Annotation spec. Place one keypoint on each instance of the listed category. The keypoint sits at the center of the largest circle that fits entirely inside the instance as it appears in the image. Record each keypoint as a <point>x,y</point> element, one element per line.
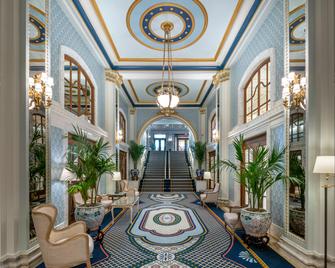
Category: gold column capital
<point>132,111</point>
<point>113,76</point>
<point>202,110</point>
<point>220,77</point>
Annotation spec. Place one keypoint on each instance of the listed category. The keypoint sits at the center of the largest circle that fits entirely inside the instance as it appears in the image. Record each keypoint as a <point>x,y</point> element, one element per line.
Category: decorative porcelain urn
<point>92,216</point>
<point>255,223</point>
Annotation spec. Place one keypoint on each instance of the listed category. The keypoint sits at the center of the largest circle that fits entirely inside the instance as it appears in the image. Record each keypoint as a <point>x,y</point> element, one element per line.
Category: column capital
<point>132,111</point>
<point>220,77</point>
<point>203,110</point>
<point>114,77</point>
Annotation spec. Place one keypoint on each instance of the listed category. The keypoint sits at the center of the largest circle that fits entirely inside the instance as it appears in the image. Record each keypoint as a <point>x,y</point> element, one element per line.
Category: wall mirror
<point>296,121</point>
<point>37,19</point>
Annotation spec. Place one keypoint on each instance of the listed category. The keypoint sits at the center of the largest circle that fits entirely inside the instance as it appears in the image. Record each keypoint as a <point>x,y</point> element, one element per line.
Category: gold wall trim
<point>121,59</point>
<point>297,9</point>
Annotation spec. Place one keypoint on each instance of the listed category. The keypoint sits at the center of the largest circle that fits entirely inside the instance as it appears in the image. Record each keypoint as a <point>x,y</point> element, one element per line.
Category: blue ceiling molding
<point>244,26</point>
<point>128,95</point>
<point>297,68</point>
<point>92,31</point>
<point>37,68</point>
<point>206,95</point>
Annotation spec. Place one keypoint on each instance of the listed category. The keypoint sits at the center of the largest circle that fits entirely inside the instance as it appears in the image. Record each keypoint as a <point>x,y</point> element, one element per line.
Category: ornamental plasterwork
<point>114,77</point>
<point>220,77</point>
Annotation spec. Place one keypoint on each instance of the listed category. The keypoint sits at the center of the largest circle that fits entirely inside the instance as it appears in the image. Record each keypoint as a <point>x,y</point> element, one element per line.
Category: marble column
<point>221,83</point>
<point>202,133</point>
<point>113,81</point>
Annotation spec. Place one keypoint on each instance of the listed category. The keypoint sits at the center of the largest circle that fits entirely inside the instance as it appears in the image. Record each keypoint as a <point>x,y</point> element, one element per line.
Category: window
<point>297,125</point>
<point>122,127</point>
<point>212,128</point>
<point>78,90</point>
<point>256,92</point>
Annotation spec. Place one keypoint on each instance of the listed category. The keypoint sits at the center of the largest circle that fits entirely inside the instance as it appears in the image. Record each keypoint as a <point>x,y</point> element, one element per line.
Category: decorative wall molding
<point>221,76</point>
<point>113,76</point>
<point>64,119</point>
<point>273,117</point>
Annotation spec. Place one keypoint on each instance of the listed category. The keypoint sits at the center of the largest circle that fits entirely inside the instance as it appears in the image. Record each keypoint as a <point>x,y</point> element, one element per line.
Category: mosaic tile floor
<point>173,230</point>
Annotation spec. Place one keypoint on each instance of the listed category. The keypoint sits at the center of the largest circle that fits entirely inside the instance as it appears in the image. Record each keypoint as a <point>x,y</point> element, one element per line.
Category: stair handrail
<point>143,163</point>
<point>190,159</point>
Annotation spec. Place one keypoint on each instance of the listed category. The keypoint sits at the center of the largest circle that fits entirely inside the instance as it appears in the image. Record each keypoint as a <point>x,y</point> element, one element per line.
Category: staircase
<point>180,179</point>
<point>157,169</point>
<point>154,175</point>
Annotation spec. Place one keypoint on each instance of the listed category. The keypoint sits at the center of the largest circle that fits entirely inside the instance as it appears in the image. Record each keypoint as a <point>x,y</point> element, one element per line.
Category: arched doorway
<point>162,133</point>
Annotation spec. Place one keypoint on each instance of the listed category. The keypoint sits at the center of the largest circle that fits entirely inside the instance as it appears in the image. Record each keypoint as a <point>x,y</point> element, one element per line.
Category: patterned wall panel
<point>269,35</point>
<point>62,32</point>
<point>58,188</point>
<point>278,189</point>
<point>231,156</point>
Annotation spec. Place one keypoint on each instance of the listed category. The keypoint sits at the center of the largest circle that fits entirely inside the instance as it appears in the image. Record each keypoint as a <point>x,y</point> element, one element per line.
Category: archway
<point>180,129</point>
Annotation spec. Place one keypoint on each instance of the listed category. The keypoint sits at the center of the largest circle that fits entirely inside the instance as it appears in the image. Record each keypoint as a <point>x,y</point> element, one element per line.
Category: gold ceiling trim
<point>140,101</point>
<point>120,59</point>
<point>37,9</point>
<point>296,9</point>
<point>130,10</point>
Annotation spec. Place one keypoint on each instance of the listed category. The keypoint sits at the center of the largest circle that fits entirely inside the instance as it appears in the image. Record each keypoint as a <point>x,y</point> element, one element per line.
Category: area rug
<point>173,230</point>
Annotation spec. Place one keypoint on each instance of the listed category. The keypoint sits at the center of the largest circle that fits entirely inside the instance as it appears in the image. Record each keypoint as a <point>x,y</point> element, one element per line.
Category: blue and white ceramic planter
<point>256,223</point>
<point>92,216</point>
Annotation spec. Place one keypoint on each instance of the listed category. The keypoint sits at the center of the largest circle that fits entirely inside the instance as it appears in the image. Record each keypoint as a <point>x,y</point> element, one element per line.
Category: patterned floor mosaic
<point>173,230</point>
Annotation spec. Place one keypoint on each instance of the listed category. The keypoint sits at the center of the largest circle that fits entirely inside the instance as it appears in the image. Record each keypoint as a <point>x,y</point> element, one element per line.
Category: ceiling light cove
<point>144,22</point>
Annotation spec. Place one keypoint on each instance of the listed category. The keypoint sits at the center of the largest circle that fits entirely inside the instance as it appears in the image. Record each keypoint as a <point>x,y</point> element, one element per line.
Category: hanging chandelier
<point>294,91</point>
<point>167,98</point>
<point>40,91</point>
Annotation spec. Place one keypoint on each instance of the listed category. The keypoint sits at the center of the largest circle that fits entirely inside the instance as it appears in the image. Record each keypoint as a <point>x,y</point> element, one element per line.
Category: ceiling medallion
<point>167,98</point>
<point>154,88</point>
<point>144,22</point>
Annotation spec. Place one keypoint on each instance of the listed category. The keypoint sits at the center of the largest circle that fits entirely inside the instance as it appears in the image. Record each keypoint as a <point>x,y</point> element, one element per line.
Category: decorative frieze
<point>114,77</point>
<point>220,77</point>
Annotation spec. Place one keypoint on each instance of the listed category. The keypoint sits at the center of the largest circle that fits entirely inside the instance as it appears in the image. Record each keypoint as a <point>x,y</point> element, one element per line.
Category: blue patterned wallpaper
<point>231,184</point>
<point>58,188</point>
<point>278,189</point>
<point>270,35</point>
<point>62,32</point>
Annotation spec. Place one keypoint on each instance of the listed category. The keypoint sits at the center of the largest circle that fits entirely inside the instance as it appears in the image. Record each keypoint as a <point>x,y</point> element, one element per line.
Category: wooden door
<point>211,163</point>
<point>123,164</point>
<point>248,147</point>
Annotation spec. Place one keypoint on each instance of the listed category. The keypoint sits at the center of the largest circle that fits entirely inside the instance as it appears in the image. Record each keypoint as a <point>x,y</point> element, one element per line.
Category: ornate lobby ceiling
<point>130,37</point>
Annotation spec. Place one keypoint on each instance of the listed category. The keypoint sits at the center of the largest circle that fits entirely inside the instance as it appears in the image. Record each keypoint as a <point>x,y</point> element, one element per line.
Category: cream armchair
<point>211,196</point>
<point>67,247</point>
<point>129,190</point>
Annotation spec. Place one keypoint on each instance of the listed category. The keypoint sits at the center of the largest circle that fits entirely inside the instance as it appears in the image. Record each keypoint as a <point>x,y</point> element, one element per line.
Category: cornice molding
<point>220,77</point>
<point>114,77</point>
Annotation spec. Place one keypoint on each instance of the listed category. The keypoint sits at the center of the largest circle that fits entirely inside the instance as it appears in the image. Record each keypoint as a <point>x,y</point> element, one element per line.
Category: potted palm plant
<point>297,178</point>
<point>199,150</point>
<point>257,176</point>
<point>136,151</point>
<point>88,161</point>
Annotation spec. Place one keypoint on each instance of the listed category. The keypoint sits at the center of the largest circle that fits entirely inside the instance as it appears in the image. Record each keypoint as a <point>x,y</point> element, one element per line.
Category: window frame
<point>88,82</point>
<point>257,73</point>
<point>212,127</point>
<point>124,127</point>
<point>300,134</point>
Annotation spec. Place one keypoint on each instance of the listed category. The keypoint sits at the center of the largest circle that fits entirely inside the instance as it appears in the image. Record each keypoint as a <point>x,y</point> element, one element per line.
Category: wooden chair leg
<point>88,264</point>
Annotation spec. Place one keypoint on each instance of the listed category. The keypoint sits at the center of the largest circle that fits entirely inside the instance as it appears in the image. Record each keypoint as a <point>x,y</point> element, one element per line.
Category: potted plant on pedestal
<point>199,150</point>
<point>88,161</point>
<point>257,176</point>
<point>136,151</point>
<point>297,214</point>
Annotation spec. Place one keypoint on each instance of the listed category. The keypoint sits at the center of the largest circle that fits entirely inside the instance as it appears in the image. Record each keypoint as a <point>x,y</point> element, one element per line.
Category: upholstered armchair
<point>211,196</point>
<point>129,190</point>
<point>67,247</point>
<point>103,199</point>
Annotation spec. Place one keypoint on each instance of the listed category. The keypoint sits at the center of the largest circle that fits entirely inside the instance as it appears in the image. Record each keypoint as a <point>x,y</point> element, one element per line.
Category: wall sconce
<point>215,136</point>
<point>40,91</point>
<point>294,91</point>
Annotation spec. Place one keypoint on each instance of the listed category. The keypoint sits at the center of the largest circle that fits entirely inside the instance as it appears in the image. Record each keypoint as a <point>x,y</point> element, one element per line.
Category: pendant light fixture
<point>167,98</point>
